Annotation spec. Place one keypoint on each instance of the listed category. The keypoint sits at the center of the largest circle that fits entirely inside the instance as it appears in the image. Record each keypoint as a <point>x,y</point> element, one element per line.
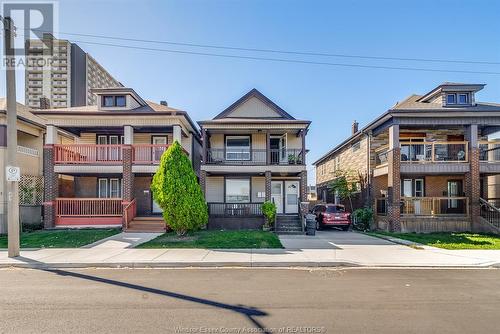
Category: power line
<point>291,52</point>
<point>296,61</point>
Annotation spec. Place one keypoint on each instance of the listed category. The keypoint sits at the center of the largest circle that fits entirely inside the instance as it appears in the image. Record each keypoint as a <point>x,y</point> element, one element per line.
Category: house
<point>102,175</point>
<point>431,162</point>
<point>30,132</point>
<point>253,151</point>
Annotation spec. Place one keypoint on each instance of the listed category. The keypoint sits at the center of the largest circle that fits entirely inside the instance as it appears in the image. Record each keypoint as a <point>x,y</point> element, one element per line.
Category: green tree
<point>345,185</point>
<point>176,190</point>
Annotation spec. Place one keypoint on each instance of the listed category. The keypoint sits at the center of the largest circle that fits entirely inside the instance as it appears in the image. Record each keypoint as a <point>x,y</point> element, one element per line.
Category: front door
<point>158,150</point>
<point>277,195</point>
<point>291,196</point>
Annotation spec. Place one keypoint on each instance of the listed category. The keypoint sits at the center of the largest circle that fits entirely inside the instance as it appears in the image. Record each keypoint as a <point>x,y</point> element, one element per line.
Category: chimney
<point>164,103</point>
<point>355,127</point>
<point>44,103</point>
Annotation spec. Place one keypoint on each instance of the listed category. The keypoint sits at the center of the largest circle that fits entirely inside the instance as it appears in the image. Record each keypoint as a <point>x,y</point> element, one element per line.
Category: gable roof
<point>254,93</point>
<point>24,113</point>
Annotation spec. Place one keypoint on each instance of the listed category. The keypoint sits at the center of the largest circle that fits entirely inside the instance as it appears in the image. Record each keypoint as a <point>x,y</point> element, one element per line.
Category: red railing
<point>89,207</point>
<point>148,153</point>
<point>88,154</point>
<point>129,213</point>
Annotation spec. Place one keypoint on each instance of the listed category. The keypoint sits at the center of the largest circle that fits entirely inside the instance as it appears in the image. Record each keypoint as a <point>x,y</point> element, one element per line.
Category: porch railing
<point>89,207</point>
<point>422,152</point>
<point>27,151</point>
<point>129,213</point>
<point>88,154</point>
<point>490,212</point>
<point>489,151</point>
<point>234,209</point>
<point>434,206</point>
<point>381,155</point>
<point>148,153</point>
<point>220,156</point>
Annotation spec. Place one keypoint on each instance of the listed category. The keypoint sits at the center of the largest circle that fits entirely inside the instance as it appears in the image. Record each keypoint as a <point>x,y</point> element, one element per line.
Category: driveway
<point>331,239</point>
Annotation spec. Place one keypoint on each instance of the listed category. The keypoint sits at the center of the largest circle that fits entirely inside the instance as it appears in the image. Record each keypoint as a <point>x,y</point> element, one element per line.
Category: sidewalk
<point>324,250</point>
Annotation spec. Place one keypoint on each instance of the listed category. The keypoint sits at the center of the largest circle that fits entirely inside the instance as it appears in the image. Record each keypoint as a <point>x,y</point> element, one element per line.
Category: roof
<point>23,112</point>
<point>119,90</point>
<point>254,93</point>
<point>451,86</point>
<point>415,103</point>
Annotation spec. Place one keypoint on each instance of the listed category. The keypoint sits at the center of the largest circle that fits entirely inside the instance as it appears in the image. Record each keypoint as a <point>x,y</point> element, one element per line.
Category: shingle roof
<point>23,112</point>
<point>411,103</point>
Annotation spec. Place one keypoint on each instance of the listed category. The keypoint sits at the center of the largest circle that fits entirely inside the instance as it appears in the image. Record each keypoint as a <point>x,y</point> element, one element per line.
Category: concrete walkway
<point>123,240</point>
<point>325,249</point>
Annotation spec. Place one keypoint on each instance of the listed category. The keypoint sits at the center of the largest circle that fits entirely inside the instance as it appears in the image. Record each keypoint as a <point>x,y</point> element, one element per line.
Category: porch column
<point>303,153</point>
<point>268,185</point>
<point>177,133</point>
<point>303,186</point>
<point>203,182</point>
<point>472,180</point>
<point>394,180</point>
<point>128,155</point>
<point>204,147</point>
<point>50,178</point>
<point>268,148</point>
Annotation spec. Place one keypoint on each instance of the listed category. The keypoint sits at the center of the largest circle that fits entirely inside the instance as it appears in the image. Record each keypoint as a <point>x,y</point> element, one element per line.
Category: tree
<point>345,185</point>
<point>176,190</point>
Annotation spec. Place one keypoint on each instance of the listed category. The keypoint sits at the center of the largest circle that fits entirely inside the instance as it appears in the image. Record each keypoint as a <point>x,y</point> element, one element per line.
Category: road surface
<point>250,301</point>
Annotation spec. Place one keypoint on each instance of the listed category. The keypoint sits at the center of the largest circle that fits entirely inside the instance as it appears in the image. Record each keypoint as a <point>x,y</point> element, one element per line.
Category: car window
<point>335,209</point>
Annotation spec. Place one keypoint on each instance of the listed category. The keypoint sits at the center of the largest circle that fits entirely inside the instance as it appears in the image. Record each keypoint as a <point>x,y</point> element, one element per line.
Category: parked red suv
<point>331,215</point>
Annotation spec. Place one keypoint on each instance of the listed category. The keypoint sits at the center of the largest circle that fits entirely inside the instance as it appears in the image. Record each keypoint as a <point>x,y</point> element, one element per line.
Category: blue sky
<point>331,97</point>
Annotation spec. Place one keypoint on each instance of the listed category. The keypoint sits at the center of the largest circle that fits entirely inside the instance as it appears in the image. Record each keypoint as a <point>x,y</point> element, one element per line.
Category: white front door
<point>277,195</point>
<point>292,196</point>
<point>283,151</point>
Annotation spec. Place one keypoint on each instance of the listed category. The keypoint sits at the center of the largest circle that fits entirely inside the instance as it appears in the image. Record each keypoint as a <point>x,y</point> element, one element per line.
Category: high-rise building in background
<point>60,74</point>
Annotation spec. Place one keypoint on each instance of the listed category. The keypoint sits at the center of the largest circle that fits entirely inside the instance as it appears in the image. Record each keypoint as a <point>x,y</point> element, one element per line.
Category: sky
<point>330,96</point>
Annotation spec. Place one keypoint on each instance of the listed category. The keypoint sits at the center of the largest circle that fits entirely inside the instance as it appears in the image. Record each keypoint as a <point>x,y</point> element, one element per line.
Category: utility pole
<point>12,185</point>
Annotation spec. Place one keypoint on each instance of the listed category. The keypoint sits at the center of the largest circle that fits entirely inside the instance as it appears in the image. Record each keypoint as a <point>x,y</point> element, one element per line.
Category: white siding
<point>254,108</point>
<point>215,189</point>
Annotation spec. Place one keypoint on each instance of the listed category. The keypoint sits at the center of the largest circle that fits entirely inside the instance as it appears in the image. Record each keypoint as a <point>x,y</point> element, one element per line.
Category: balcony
<point>256,157</point>
<point>88,154</point>
<point>426,206</point>
<point>428,152</point>
<point>148,154</point>
<point>89,211</point>
<point>234,209</point>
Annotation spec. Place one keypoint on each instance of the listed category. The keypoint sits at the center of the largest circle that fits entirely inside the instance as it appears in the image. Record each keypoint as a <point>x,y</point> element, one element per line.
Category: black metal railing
<point>490,212</point>
<point>229,156</point>
<point>235,209</point>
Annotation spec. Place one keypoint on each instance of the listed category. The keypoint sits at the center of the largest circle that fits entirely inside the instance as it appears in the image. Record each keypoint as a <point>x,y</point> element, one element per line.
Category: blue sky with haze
<point>331,97</point>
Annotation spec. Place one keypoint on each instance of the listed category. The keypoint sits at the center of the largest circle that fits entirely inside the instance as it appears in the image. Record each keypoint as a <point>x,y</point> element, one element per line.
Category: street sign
<point>13,174</point>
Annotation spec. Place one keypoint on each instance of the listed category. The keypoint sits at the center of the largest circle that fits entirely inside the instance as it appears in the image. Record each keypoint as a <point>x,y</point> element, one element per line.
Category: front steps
<point>147,224</point>
<point>288,224</point>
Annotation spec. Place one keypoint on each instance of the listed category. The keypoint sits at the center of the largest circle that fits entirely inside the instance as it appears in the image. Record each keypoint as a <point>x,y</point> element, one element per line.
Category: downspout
<point>368,168</point>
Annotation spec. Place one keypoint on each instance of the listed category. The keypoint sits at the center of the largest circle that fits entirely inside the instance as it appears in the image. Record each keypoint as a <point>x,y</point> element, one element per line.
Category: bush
<point>25,227</point>
<point>362,218</point>
<point>176,190</point>
<point>269,211</point>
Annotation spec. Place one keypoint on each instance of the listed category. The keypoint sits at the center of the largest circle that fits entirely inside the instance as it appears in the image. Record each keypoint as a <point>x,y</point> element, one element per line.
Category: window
<point>114,101</point>
<point>463,98</point>
<point>238,148</point>
<point>451,99</point>
<point>237,191</point>
<point>109,188</point>
<point>355,146</point>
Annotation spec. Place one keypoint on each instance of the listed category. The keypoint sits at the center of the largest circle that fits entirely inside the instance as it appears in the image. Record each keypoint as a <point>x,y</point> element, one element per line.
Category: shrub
<point>176,190</point>
<point>362,218</point>
<point>269,211</point>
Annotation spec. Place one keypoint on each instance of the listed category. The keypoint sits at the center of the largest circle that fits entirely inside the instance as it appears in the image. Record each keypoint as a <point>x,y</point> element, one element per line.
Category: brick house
<point>431,162</point>
<point>99,160</point>
<point>253,151</point>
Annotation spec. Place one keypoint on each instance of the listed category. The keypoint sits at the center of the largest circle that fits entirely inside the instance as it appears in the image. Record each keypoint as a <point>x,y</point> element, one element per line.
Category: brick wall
<point>51,186</point>
<point>437,186</point>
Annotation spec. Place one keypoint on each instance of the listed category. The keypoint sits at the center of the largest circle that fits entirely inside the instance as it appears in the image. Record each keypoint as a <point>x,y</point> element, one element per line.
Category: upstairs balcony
<point>255,157</point>
<point>91,154</point>
<point>429,152</point>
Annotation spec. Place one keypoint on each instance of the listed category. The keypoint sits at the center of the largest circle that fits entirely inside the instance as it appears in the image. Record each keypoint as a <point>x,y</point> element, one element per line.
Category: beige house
<point>30,132</point>
<point>431,162</point>
<point>101,175</point>
<point>252,152</point>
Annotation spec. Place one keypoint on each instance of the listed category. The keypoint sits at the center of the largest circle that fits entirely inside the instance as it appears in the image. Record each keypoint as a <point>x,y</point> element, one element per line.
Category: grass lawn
<point>61,238</point>
<point>216,239</point>
<point>449,240</point>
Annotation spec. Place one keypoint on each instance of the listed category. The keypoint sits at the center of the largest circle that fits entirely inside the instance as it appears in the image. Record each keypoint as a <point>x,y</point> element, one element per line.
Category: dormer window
<point>451,98</point>
<point>463,98</point>
<point>457,98</point>
<point>114,101</point>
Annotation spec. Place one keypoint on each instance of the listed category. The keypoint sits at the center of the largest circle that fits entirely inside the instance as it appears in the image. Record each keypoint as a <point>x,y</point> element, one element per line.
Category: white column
<point>51,135</point>
<point>177,133</point>
<point>128,134</point>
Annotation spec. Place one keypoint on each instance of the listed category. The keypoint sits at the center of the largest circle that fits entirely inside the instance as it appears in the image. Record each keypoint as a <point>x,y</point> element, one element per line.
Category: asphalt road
<point>250,301</point>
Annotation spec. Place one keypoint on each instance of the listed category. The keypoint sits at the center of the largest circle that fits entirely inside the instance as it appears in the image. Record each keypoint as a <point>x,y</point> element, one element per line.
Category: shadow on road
<point>249,312</point>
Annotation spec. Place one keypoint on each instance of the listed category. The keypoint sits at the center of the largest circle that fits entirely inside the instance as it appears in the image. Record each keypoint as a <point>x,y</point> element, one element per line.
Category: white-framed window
<point>463,98</point>
<point>451,98</point>
<point>114,101</point>
<point>237,190</point>
<point>237,147</point>
<point>109,188</point>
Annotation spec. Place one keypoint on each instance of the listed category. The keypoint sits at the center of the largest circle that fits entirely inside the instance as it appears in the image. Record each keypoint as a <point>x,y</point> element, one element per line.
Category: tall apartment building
<point>63,73</point>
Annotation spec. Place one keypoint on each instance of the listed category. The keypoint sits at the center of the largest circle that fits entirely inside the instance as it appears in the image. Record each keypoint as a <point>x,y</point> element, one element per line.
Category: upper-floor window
<point>355,146</point>
<point>238,148</point>
<point>114,101</point>
<point>458,98</point>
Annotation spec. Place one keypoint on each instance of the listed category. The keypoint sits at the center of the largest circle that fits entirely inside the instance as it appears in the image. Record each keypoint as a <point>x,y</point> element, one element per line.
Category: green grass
<point>216,239</point>
<point>449,240</point>
<point>61,238</point>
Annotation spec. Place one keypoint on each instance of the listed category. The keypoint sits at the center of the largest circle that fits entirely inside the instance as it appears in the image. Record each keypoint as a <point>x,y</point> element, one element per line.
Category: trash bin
<point>310,224</point>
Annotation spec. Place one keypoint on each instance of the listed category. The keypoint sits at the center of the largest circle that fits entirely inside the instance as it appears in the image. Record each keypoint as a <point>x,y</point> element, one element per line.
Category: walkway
<point>123,240</point>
